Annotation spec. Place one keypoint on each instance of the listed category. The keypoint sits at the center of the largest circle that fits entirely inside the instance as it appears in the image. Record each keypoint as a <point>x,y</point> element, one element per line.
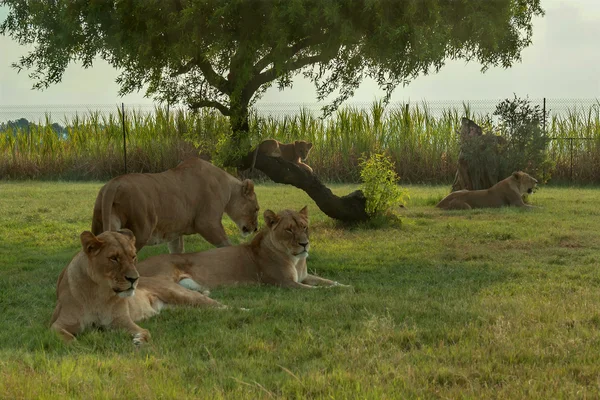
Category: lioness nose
<point>130,279</point>
<point>303,244</point>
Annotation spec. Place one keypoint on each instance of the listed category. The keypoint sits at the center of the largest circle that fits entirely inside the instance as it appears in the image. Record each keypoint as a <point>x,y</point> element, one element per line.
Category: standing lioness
<point>507,192</point>
<point>276,255</point>
<point>101,287</point>
<point>190,198</point>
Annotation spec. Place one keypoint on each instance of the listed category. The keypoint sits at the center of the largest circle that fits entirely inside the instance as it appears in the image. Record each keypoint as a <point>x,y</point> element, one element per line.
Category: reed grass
<point>423,145</point>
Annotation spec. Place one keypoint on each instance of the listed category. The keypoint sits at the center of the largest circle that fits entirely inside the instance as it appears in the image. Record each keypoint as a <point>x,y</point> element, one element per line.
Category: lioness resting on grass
<point>190,198</point>
<point>276,255</point>
<point>507,192</point>
<point>101,287</point>
<point>293,152</point>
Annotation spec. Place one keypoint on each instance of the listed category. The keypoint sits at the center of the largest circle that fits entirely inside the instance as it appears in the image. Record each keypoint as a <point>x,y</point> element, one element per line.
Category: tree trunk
<point>346,208</point>
<point>473,175</point>
<point>240,128</point>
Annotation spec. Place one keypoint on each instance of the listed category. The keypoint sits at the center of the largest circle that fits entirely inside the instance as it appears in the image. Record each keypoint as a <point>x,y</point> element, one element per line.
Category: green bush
<point>521,124</point>
<point>380,184</point>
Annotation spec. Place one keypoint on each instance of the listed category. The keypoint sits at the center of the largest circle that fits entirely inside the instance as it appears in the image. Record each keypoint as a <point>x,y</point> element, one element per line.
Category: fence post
<point>124,136</point>
<point>546,141</point>
<point>571,139</point>
<point>544,116</point>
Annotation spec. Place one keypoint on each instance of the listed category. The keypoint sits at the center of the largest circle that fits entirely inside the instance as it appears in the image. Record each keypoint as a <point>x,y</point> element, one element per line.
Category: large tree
<point>225,53</point>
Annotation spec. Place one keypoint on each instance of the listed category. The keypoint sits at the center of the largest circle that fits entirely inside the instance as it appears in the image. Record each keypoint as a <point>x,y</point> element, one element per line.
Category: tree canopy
<point>225,54</point>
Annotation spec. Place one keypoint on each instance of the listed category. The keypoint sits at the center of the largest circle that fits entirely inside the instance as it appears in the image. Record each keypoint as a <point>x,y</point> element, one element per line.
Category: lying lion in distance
<point>101,287</point>
<point>276,255</point>
<point>293,152</point>
<point>507,192</point>
<point>190,198</point>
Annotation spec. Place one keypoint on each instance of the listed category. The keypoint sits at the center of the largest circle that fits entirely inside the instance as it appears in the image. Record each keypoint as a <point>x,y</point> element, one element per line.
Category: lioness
<point>189,198</point>
<point>276,255</point>
<point>507,192</point>
<point>100,286</point>
<point>293,152</point>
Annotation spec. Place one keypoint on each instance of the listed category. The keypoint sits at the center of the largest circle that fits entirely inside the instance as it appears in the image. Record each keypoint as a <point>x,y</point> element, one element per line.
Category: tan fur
<point>276,255</point>
<point>101,287</point>
<point>507,192</point>
<point>293,152</point>
<point>190,198</point>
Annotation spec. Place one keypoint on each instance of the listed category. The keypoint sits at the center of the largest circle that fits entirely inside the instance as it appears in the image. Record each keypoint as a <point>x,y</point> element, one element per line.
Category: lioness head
<point>243,208</point>
<point>111,260</point>
<point>289,231</point>
<point>525,182</point>
<point>302,149</point>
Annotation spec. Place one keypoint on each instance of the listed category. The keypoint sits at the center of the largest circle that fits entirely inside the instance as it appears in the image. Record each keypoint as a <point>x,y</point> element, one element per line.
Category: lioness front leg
<point>458,205</point>
<point>318,281</point>
<point>140,335</point>
<point>305,166</point>
<point>214,233</point>
<point>180,294</point>
<point>66,327</point>
<point>295,285</point>
<point>66,333</point>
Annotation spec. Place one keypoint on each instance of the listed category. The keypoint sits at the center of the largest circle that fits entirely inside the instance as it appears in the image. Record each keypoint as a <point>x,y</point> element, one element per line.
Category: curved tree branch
<point>207,103</point>
<point>290,66</point>
<point>346,208</point>
<point>214,79</point>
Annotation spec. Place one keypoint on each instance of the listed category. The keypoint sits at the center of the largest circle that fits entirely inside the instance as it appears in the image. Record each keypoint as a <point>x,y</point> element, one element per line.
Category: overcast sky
<point>562,62</point>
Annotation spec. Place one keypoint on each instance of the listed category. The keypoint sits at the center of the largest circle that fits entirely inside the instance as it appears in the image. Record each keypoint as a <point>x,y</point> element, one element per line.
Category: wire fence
<point>435,108</point>
<point>97,141</point>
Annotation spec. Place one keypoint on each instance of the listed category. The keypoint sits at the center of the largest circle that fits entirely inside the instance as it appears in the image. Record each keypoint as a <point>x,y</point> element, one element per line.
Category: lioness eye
<point>114,259</point>
<point>288,231</point>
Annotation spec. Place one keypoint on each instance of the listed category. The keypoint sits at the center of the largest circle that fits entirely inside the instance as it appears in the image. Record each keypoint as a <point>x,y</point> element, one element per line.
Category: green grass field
<point>481,304</point>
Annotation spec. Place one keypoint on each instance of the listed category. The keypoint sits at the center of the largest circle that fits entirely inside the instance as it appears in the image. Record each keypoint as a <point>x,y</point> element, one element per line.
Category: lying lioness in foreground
<point>507,192</point>
<point>276,255</point>
<point>100,287</point>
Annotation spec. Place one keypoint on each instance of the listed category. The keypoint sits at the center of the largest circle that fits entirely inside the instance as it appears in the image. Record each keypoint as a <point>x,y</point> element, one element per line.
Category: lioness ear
<point>304,211</point>
<point>247,187</point>
<point>129,234</point>
<point>517,175</point>
<point>271,219</point>
<point>89,242</point>
<point>309,145</point>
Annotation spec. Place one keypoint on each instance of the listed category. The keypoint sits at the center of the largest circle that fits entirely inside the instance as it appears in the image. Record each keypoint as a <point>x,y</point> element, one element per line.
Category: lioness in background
<point>100,287</point>
<point>293,152</point>
<point>507,192</point>
<point>276,255</point>
<point>190,198</point>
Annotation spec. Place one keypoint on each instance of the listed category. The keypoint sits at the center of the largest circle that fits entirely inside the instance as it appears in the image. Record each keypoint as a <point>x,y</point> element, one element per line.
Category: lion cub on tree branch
<point>293,152</point>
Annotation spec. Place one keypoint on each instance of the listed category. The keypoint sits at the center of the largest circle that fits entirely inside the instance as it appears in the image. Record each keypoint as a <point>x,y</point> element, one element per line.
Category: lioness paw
<point>191,284</point>
<point>141,338</point>
<point>340,284</point>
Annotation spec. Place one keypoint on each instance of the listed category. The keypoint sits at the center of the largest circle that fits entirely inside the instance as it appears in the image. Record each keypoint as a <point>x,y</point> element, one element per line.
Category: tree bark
<point>240,127</point>
<point>349,208</point>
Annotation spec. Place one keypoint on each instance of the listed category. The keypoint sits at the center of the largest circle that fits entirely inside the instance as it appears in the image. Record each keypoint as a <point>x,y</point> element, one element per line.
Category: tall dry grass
<point>575,147</point>
<point>423,145</point>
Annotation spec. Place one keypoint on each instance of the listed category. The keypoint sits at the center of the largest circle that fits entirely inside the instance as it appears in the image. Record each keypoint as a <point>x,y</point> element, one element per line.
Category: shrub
<point>521,124</point>
<point>380,184</point>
